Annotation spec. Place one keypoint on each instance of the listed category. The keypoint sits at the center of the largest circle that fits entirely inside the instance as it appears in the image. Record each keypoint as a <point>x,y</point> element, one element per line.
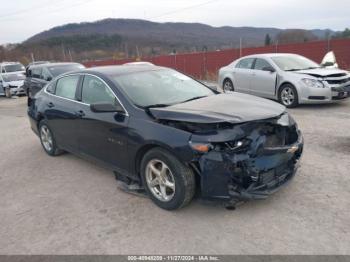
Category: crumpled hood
<point>322,72</point>
<point>232,108</point>
<point>16,83</point>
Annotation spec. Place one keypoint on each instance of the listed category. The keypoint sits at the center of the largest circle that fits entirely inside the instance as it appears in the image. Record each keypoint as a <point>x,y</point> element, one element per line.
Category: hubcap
<point>46,138</point>
<point>228,86</point>
<point>160,180</point>
<point>287,96</point>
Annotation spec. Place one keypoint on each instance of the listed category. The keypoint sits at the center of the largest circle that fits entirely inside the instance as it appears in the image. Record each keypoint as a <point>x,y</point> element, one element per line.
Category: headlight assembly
<point>312,83</point>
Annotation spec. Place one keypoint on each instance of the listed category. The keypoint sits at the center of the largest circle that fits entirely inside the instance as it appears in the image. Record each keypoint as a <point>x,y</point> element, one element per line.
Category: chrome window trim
<point>79,102</point>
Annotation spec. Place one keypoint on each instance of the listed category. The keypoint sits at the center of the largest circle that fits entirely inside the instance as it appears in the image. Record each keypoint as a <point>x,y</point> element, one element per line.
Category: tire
<point>288,96</point>
<point>178,175</point>
<point>48,141</point>
<point>7,93</point>
<point>228,86</point>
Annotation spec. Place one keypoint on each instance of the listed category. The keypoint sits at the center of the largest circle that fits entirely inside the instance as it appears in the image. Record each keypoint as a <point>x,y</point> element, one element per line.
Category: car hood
<point>15,83</point>
<point>232,108</point>
<point>323,72</point>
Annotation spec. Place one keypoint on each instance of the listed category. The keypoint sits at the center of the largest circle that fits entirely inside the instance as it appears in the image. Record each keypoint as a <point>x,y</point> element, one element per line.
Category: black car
<point>41,73</point>
<point>169,134</point>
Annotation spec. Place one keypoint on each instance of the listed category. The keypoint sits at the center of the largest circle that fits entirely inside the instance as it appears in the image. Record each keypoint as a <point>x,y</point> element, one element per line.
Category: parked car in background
<point>291,79</point>
<point>168,134</point>
<point>39,75</point>
<point>12,75</point>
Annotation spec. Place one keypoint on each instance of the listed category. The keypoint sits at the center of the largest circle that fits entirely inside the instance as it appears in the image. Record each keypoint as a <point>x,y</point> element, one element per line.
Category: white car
<point>12,75</point>
<point>291,79</point>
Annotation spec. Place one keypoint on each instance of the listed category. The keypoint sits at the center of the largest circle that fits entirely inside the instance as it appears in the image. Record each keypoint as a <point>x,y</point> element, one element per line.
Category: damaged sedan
<point>291,79</point>
<point>165,134</point>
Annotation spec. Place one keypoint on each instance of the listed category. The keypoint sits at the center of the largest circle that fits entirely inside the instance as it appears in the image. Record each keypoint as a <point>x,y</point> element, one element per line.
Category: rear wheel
<point>228,86</point>
<point>169,183</point>
<point>47,140</point>
<point>288,96</point>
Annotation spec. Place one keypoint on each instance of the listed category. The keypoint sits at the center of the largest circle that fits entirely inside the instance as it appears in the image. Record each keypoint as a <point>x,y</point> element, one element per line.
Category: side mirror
<point>269,69</point>
<point>49,79</point>
<point>106,108</point>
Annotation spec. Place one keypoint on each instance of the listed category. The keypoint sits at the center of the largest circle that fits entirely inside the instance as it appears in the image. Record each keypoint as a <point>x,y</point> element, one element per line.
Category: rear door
<point>102,136</point>
<point>263,81</point>
<point>36,82</point>
<point>61,111</point>
<point>242,75</point>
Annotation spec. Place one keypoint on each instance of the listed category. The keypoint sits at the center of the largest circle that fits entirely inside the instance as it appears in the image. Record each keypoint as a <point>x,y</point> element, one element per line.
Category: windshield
<point>161,88</point>
<point>61,69</point>
<point>294,63</point>
<point>13,77</point>
<point>14,68</point>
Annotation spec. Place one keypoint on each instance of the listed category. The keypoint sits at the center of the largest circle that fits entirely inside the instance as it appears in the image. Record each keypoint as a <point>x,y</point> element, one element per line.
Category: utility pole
<point>240,47</point>
<point>32,56</point>
<point>70,55</point>
<point>64,53</point>
<point>276,46</point>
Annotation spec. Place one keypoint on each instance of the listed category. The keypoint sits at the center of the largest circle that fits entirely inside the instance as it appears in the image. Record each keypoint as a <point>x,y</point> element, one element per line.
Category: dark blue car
<point>165,133</point>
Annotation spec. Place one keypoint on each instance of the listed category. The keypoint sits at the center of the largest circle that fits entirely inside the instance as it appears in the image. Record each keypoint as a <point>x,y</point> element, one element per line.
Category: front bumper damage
<point>267,162</point>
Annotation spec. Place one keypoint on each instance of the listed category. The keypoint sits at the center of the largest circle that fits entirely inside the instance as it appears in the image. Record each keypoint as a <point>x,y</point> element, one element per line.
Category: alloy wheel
<point>46,138</point>
<point>228,86</point>
<point>160,180</point>
<point>287,96</point>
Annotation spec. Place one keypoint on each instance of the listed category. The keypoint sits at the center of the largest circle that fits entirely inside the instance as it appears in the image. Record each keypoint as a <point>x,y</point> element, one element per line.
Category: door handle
<point>50,105</point>
<point>80,113</point>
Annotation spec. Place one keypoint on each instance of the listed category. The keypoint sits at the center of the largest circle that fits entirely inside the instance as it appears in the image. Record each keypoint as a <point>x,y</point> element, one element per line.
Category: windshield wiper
<point>193,98</point>
<point>312,67</point>
<point>156,106</point>
<point>293,69</point>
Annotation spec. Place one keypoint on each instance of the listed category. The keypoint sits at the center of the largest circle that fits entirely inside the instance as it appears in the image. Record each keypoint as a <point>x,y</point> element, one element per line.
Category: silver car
<point>12,77</point>
<point>289,78</point>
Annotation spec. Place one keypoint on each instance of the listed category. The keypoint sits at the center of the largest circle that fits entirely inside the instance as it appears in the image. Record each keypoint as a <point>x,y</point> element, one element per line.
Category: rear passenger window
<point>67,86</point>
<point>246,63</point>
<point>260,64</point>
<point>95,91</point>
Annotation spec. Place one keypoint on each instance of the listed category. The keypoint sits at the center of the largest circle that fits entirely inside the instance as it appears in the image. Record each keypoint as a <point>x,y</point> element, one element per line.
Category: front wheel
<point>169,183</point>
<point>288,96</point>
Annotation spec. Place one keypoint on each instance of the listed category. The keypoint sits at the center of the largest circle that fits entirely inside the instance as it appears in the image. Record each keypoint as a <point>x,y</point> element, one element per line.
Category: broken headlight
<point>286,120</point>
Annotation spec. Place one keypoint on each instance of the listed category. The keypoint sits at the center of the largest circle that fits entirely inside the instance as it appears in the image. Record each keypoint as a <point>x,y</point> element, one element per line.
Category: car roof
<point>269,55</point>
<point>9,63</point>
<point>52,64</point>
<point>122,69</point>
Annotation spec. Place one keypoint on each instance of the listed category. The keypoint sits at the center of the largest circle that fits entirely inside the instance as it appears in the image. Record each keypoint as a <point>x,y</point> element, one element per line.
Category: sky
<point>21,19</point>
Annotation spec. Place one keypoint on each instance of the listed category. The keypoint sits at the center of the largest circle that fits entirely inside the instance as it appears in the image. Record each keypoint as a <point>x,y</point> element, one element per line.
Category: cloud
<point>20,19</point>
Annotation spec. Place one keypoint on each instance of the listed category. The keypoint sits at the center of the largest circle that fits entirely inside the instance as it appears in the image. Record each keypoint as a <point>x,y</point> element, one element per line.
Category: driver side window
<point>95,91</point>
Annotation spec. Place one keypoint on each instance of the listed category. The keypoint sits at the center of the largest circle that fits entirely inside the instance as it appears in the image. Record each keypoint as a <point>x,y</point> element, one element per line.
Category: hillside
<point>122,38</point>
<point>185,36</point>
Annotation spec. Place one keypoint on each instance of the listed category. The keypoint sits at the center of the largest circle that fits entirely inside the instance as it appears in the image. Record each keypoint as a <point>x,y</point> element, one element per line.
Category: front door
<point>103,135</point>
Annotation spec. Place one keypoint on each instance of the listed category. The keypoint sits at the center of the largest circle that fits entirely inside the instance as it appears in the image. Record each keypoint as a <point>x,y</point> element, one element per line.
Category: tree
<point>267,40</point>
<point>295,36</point>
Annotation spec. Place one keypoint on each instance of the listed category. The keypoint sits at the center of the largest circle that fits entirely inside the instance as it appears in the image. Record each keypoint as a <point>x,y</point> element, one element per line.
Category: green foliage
<point>267,40</point>
<point>344,34</point>
<point>83,42</point>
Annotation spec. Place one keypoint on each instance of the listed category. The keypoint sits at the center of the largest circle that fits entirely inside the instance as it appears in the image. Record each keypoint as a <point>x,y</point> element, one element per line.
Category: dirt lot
<point>66,205</point>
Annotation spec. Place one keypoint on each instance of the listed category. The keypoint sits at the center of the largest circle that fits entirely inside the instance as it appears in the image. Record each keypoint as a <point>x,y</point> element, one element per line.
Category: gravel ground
<point>66,205</point>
